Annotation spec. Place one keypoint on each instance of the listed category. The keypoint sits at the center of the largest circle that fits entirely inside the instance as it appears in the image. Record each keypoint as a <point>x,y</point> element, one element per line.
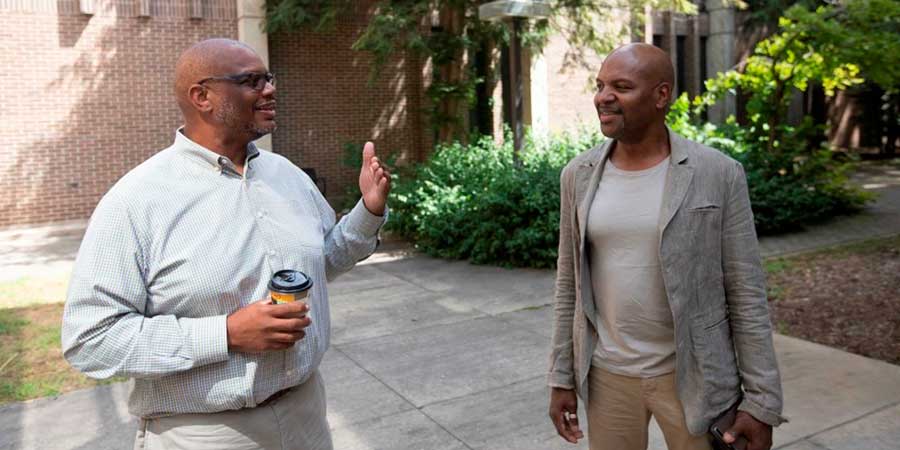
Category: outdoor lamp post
<point>516,12</point>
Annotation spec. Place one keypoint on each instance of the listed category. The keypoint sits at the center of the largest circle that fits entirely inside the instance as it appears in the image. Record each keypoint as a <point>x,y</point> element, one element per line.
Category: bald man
<point>171,283</point>
<point>660,295</point>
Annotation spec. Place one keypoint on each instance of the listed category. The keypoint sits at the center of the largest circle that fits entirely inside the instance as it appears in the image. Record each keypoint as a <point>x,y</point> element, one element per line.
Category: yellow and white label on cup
<point>288,297</point>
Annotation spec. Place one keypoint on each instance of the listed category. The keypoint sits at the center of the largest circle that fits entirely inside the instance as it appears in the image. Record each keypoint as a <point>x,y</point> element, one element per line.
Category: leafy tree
<point>794,179</point>
<point>837,46</point>
<point>406,26</point>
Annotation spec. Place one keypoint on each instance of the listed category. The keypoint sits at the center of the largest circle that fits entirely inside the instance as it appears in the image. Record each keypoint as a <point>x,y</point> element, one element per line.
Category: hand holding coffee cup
<point>263,326</point>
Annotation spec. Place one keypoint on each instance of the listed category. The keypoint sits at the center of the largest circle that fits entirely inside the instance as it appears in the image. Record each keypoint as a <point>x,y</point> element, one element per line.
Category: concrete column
<point>648,25</point>
<point>670,44</point>
<point>536,102</point>
<point>720,53</point>
<point>251,15</point>
<point>692,57</point>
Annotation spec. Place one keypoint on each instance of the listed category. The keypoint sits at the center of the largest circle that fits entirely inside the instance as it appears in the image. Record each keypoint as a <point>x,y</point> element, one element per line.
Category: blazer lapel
<point>677,182</point>
<point>587,179</point>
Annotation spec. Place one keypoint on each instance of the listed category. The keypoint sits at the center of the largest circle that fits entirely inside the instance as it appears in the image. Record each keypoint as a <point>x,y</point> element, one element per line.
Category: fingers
<point>556,416</point>
<point>280,340</point>
<point>563,414</point>
<point>570,420</point>
<point>289,325</point>
<point>736,431</point>
<point>368,153</point>
<point>289,310</point>
<point>573,427</point>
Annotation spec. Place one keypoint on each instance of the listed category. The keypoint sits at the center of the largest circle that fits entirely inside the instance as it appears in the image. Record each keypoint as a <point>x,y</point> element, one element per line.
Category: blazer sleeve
<point>745,293</point>
<point>562,374</point>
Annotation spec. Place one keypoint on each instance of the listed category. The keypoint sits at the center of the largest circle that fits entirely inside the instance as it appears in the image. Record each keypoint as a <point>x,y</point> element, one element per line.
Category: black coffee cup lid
<point>290,281</point>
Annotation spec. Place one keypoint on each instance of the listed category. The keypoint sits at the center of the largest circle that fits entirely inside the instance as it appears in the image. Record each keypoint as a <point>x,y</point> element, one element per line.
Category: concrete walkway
<point>432,354</point>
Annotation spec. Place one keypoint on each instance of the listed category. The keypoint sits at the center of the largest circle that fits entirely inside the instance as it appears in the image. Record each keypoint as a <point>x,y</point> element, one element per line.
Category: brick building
<point>87,95</point>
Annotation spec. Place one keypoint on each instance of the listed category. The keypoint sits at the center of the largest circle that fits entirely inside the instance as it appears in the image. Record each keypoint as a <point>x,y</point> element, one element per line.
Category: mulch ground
<point>848,298</point>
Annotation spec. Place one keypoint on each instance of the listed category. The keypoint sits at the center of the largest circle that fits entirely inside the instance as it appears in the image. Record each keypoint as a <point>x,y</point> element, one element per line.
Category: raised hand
<point>374,181</point>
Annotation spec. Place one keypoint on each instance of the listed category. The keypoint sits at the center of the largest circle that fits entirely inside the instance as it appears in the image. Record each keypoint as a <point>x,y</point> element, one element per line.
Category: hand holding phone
<point>721,425</point>
<point>739,430</point>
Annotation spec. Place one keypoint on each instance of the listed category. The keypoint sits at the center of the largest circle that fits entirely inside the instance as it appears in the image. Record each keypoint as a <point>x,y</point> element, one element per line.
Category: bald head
<point>208,58</point>
<point>650,61</point>
<point>634,90</point>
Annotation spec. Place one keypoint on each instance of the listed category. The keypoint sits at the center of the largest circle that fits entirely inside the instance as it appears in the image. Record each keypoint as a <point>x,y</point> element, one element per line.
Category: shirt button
<point>290,372</point>
<point>271,252</point>
<point>260,214</point>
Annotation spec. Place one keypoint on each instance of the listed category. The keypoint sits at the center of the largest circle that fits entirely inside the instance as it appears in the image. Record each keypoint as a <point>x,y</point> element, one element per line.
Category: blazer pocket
<point>705,207</point>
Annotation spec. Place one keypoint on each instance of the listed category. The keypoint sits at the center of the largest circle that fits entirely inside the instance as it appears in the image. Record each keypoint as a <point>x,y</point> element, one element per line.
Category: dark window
<point>680,65</point>
<point>703,74</point>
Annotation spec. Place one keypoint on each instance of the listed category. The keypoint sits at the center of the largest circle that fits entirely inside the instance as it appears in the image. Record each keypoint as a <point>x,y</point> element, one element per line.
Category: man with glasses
<point>170,286</point>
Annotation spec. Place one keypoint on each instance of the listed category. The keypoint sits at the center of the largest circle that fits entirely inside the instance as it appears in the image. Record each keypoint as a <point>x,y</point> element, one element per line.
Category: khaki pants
<point>620,408</point>
<point>295,421</point>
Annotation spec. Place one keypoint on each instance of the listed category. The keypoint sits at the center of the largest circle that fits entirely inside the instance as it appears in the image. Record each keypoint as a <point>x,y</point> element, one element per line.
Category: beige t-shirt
<point>637,336</point>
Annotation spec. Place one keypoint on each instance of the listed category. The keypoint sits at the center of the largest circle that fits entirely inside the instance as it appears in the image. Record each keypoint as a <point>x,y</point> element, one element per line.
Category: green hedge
<point>473,202</point>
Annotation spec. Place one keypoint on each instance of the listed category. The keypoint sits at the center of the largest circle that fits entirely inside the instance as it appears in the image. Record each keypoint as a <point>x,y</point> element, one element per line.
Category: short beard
<point>227,115</point>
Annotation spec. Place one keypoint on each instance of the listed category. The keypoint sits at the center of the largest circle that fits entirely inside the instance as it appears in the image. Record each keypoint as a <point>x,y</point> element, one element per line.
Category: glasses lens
<point>265,78</point>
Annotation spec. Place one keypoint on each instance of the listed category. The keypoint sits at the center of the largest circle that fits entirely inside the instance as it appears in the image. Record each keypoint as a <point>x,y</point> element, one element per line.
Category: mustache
<point>609,110</point>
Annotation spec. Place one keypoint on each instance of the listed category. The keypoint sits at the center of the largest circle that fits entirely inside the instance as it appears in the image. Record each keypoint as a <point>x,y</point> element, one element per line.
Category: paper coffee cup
<point>289,286</point>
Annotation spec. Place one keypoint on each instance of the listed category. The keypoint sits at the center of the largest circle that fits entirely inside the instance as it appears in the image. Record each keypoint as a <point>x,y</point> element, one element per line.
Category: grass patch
<point>776,265</point>
<point>31,362</point>
<point>867,246</point>
<point>27,291</point>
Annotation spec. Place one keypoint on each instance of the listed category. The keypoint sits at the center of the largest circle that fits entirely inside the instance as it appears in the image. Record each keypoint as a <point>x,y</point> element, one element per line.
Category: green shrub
<point>474,202</point>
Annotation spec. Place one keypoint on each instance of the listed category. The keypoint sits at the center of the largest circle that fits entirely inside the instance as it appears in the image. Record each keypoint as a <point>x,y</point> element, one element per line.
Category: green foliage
<point>793,178</point>
<point>474,202</point>
<point>795,185</point>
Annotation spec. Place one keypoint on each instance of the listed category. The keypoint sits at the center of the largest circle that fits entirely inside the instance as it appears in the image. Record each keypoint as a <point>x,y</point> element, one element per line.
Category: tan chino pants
<point>620,408</point>
<point>295,421</point>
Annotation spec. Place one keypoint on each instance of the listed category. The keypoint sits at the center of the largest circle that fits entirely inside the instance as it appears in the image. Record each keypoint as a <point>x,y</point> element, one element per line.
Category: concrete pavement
<point>432,354</point>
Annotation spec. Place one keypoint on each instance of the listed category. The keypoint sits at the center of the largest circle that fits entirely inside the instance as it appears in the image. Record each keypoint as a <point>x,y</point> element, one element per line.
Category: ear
<point>663,95</point>
<point>199,98</point>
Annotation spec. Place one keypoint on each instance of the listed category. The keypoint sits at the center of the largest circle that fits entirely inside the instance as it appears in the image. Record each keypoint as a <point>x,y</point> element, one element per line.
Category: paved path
<point>432,354</point>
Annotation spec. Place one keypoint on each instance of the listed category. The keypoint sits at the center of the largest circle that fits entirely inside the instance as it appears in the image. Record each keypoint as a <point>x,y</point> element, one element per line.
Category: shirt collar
<point>205,156</point>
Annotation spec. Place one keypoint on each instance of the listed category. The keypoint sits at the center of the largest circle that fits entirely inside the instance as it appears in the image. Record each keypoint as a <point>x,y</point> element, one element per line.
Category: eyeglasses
<point>254,80</point>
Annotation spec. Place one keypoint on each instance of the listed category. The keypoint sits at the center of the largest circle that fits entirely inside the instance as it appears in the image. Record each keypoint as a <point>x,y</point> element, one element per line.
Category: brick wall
<point>87,98</point>
<point>325,100</point>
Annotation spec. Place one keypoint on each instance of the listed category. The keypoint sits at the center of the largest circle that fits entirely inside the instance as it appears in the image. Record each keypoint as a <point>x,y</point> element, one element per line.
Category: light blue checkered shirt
<point>183,240</point>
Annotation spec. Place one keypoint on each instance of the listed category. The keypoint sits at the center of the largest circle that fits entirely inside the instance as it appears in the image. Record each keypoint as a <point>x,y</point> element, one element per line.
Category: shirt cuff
<point>209,338</point>
<point>559,380</point>
<point>364,222</point>
<point>761,414</point>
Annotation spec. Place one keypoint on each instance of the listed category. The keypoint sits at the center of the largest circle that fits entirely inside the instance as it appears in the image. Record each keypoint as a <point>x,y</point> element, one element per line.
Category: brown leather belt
<point>274,397</point>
